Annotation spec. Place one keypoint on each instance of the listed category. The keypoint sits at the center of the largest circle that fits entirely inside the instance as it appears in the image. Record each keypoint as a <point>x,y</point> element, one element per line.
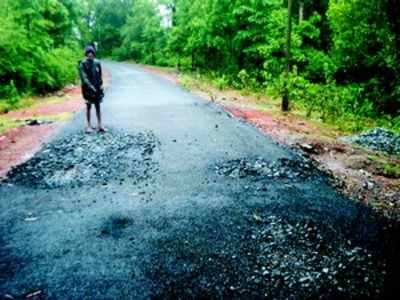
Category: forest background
<point>345,53</point>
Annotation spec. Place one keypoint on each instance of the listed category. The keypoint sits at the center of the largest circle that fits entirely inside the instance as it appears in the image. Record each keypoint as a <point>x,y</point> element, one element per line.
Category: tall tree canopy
<point>38,42</point>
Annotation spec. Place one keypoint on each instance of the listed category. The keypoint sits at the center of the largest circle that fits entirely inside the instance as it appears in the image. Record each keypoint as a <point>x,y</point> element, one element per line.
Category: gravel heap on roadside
<point>377,139</point>
<point>283,168</point>
<point>88,159</point>
<point>301,261</point>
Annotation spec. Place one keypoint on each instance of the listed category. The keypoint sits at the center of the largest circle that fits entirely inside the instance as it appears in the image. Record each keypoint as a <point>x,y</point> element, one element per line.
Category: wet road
<point>179,200</point>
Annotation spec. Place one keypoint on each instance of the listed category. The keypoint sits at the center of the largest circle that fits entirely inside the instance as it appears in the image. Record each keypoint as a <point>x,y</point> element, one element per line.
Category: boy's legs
<point>98,115</point>
<point>88,123</point>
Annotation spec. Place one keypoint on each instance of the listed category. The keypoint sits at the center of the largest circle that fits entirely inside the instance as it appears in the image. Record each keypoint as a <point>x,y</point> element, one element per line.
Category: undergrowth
<point>329,103</point>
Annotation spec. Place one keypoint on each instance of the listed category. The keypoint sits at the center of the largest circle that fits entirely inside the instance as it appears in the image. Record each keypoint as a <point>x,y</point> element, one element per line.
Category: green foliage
<point>221,82</point>
<point>246,81</point>
<point>395,124</point>
<point>345,54</point>
<point>13,97</point>
<point>385,166</point>
<point>37,47</point>
<point>391,170</point>
<point>104,21</point>
<point>365,52</point>
<point>142,35</point>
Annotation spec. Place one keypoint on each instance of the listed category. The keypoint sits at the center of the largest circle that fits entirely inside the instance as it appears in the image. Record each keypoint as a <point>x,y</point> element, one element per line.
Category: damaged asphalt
<point>180,201</point>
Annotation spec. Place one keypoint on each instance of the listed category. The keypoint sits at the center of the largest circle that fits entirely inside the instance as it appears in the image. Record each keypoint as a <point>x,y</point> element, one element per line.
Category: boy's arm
<point>84,78</point>
<point>101,75</point>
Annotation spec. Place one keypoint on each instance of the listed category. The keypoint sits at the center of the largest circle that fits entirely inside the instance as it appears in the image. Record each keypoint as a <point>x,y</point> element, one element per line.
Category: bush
<point>37,48</point>
<point>221,82</point>
<point>12,98</point>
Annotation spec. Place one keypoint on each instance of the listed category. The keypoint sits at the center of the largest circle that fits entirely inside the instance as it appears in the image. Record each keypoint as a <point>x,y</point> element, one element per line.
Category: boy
<point>92,86</point>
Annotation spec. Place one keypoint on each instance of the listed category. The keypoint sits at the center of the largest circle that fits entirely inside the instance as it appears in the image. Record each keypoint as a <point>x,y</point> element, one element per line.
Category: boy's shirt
<point>91,77</point>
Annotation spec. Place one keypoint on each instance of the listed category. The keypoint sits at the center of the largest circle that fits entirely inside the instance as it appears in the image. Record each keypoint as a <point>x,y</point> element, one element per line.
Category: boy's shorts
<point>91,98</point>
<point>93,101</point>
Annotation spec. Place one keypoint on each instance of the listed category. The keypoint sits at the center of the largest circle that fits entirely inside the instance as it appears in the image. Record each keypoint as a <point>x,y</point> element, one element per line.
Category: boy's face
<point>90,55</point>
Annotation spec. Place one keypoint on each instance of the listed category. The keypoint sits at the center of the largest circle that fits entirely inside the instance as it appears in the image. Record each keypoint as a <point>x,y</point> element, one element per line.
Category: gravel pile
<point>266,257</point>
<point>88,159</point>
<point>377,139</point>
<point>283,168</point>
<point>302,261</point>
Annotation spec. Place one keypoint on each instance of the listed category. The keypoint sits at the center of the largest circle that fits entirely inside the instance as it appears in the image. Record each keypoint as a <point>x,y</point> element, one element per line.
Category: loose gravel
<point>377,139</point>
<point>272,252</point>
<point>282,169</point>
<point>265,257</point>
<point>88,159</point>
<point>299,261</point>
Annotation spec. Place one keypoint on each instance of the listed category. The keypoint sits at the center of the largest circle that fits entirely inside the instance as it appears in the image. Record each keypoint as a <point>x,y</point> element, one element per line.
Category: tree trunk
<point>193,63</point>
<point>301,12</point>
<point>393,12</point>
<point>285,97</point>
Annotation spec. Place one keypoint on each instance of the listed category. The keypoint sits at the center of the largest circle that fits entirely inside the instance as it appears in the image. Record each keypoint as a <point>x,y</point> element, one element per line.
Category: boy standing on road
<point>92,86</point>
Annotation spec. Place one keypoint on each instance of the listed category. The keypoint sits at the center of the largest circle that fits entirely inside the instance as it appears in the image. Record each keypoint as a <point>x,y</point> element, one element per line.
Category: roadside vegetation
<point>345,54</point>
<point>345,124</point>
<point>40,45</point>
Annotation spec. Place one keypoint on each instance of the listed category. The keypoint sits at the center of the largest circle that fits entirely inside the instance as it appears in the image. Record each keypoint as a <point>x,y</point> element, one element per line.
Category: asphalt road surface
<point>180,201</point>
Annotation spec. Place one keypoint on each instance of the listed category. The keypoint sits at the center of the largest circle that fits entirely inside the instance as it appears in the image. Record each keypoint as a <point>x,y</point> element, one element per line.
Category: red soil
<point>264,121</point>
<point>20,144</point>
<point>50,109</point>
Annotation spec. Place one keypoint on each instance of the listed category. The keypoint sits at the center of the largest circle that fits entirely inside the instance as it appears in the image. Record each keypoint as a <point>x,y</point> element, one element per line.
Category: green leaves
<point>37,46</point>
<point>364,50</point>
<point>142,35</point>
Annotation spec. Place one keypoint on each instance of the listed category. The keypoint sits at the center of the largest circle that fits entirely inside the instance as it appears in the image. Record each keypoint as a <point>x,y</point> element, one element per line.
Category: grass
<point>345,124</point>
<point>7,106</point>
<point>63,117</point>
<point>385,166</point>
<point>7,124</point>
<point>391,170</point>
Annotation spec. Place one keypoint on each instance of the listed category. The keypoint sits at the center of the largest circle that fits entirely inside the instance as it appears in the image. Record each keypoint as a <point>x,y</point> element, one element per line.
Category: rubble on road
<point>88,159</point>
<point>283,168</point>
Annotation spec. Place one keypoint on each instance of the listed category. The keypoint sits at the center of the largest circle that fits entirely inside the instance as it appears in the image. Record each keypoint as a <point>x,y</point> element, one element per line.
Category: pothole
<point>83,159</point>
<point>115,226</point>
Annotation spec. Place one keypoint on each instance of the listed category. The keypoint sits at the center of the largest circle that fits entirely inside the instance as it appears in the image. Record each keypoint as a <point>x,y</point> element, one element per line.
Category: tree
<point>37,45</point>
<point>142,34</point>
<point>365,51</point>
<point>285,97</point>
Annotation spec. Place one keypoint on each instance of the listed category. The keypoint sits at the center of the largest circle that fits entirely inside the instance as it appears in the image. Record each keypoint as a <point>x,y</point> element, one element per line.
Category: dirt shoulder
<point>23,131</point>
<point>362,174</point>
<point>28,128</point>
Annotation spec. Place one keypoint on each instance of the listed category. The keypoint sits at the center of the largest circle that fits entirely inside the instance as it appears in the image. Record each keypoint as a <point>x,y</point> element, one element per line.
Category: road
<point>180,200</point>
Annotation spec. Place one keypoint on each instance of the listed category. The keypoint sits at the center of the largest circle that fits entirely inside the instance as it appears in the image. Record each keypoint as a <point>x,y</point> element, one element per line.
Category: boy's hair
<point>90,49</point>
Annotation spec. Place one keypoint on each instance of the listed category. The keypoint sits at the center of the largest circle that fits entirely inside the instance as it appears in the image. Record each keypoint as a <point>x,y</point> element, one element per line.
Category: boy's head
<point>90,52</point>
